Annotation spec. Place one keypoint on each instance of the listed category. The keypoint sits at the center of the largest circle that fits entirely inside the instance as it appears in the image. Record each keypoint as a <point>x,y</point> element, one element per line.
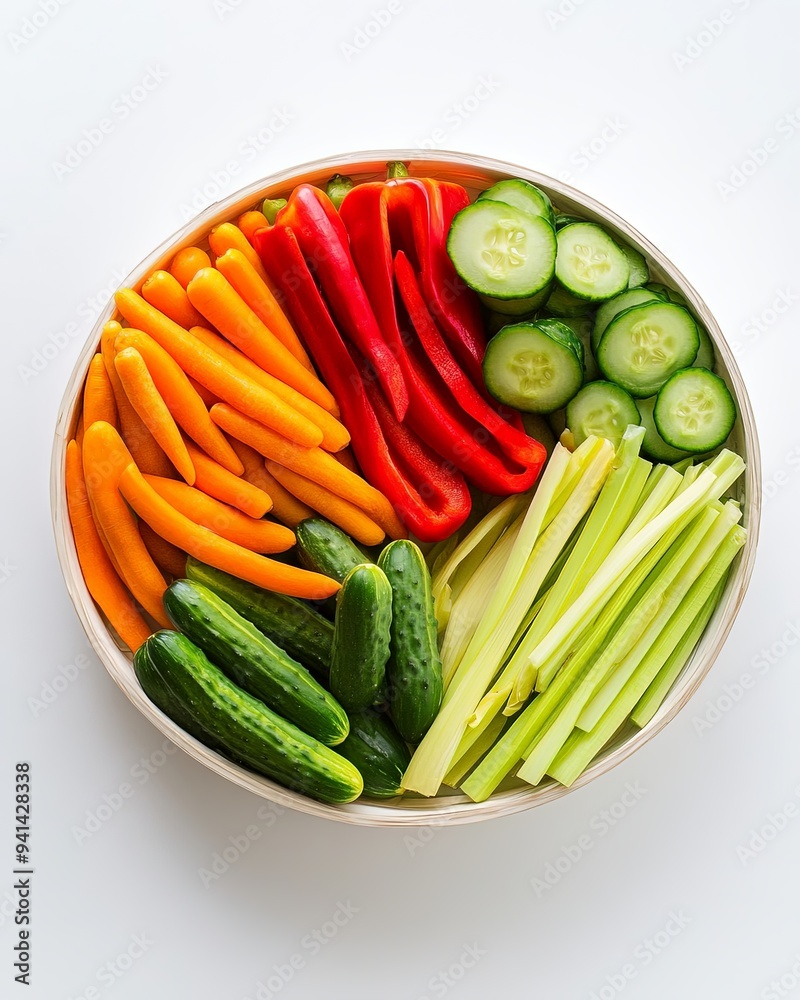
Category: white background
<point>417,900</point>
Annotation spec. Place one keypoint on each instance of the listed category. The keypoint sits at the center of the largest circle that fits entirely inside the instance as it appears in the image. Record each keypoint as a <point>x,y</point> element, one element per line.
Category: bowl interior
<point>475,173</point>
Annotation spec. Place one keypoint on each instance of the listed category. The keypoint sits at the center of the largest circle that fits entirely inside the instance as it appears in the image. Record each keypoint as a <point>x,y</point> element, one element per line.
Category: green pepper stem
<point>271,207</point>
<point>396,169</point>
<point>337,187</point>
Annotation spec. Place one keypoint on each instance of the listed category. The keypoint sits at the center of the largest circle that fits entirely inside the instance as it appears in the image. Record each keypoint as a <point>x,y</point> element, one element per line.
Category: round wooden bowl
<point>475,173</point>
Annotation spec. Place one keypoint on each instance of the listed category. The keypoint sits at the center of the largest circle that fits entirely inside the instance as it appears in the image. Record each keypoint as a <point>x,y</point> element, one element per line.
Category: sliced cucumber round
<point>502,252</point>
<point>601,408</point>
<point>567,220</point>
<point>589,263</point>
<point>608,310</point>
<point>694,410</point>
<point>582,327</point>
<point>522,195</point>
<point>564,303</point>
<point>517,307</point>
<point>653,444</point>
<point>706,357</point>
<point>535,367</point>
<point>640,273</point>
<point>668,294</point>
<point>645,344</point>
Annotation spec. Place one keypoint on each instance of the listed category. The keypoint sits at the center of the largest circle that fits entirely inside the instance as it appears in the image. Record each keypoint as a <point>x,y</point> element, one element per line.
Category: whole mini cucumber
<point>414,671</point>
<point>361,637</point>
<point>379,753</point>
<point>324,548</point>
<point>187,683</point>
<point>254,662</point>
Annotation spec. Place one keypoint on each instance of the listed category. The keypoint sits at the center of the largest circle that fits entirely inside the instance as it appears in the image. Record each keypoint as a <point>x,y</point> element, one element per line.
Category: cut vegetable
<point>521,195</point>
<point>603,409</point>
<point>611,309</point>
<point>694,410</point>
<point>589,263</point>
<point>654,445</point>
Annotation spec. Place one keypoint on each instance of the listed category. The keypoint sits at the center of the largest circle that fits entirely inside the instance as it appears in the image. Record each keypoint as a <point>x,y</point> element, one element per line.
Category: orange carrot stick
<point>149,404</point>
<point>79,431</point>
<point>168,557</point>
<point>186,407</point>
<point>226,237</point>
<point>248,283</point>
<point>314,463</point>
<point>206,395</point>
<point>104,458</point>
<point>164,291</point>
<point>351,519</point>
<point>285,508</point>
<point>217,482</point>
<point>249,532</point>
<point>99,574</point>
<point>251,222</point>
<point>334,434</point>
<point>98,394</point>
<point>219,302</point>
<point>348,460</point>
<point>186,263</point>
<point>216,551</point>
<point>146,452</point>
<point>214,373</point>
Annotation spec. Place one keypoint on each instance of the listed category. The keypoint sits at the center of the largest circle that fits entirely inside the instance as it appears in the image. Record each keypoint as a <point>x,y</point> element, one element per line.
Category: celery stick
<point>664,490</point>
<point>466,760</point>
<point>580,457</point>
<point>658,473</point>
<point>670,653</point>
<point>659,688</point>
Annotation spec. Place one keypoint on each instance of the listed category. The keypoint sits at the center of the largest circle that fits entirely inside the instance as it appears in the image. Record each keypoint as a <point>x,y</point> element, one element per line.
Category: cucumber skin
<point>414,671</point>
<point>378,752</point>
<point>291,623</point>
<point>361,638</point>
<point>326,549</point>
<point>248,731</point>
<point>253,662</point>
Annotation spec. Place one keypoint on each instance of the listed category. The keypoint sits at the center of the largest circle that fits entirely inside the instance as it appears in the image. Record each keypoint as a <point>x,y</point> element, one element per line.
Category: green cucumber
<point>613,307</point>
<point>250,733</point>
<point>640,273</point>
<point>361,638</point>
<point>379,753</point>
<point>414,671</point>
<point>291,623</point>
<point>521,195</point>
<point>706,357</point>
<point>694,410</point>
<point>254,662</point>
<point>564,303</point>
<point>601,408</point>
<point>653,444</point>
<point>326,549</point>
<point>589,263</point>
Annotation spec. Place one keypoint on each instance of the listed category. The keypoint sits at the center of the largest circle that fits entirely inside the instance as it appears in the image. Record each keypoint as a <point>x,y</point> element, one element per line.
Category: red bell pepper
<point>431,499</point>
<point>323,241</point>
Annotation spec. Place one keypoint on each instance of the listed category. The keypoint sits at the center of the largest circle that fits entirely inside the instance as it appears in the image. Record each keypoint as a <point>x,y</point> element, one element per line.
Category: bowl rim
<point>451,809</point>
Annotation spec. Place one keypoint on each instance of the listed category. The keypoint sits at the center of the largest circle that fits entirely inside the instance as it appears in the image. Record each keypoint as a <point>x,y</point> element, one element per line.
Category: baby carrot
<point>164,291</point>
<point>216,551</point>
<point>227,237</point>
<point>351,519</point>
<point>249,532</point>
<point>251,222</point>
<point>79,431</point>
<point>186,407</point>
<point>149,404</point>
<point>313,463</point>
<point>187,262</point>
<point>101,578</point>
<point>248,283</point>
<point>168,557</point>
<point>334,434</point>
<point>215,374</point>
<point>104,458</point>
<point>285,508</point>
<point>217,482</point>
<point>98,394</point>
<point>206,395</point>
<point>211,293</point>
<point>146,452</point>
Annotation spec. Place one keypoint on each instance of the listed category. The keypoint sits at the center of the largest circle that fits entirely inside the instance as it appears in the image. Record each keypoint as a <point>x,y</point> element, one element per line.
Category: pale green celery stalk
<point>668,656</point>
<point>683,465</point>
<point>433,756</point>
<point>657,474</point>
<point>709,485</point>
<point>660,685</point>
<point>485,533</point>
<point>582,454</point>
<point>685,566</point>
<point>465,761</point>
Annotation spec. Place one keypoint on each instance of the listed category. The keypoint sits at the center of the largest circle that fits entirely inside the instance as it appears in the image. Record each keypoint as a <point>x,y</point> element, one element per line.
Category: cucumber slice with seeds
<point>669,294</point>
<point>645,344</point>
<point>640,273</point>
<point>694,410</point>
<point>706,358</point>
<point>653,444</point>
<point>589,263</point>
<point>534,367</point>
<point>601,408</point>
<point>582,327</point>
<point>502,252</point>
<point>517,307</point>
<point>608,310</point>
<point>522,195</point>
